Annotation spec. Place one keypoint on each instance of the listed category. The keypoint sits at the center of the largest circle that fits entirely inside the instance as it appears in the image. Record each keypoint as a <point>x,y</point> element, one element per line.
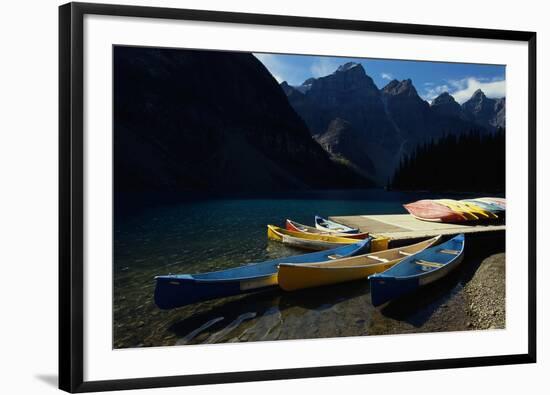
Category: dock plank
<point>405,226</point>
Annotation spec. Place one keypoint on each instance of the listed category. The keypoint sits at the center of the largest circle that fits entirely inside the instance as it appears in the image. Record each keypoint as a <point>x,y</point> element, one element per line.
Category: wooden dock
<point>405,227</point>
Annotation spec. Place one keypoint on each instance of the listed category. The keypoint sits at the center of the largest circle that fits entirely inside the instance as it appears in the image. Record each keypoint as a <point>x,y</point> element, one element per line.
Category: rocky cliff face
<point>486,112</point>
<point>446,106</point>
<point>211,121</point>
<point>383,124</point>
<point>348,145</point>
<point>348,101</point>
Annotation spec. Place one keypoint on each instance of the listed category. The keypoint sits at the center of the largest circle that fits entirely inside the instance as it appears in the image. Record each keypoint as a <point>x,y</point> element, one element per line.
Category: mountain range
<point>191,120</point>
<point>370,129</point>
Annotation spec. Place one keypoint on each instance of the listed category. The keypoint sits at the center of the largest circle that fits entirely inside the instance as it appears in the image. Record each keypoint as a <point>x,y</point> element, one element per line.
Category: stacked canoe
<point>455,211</point>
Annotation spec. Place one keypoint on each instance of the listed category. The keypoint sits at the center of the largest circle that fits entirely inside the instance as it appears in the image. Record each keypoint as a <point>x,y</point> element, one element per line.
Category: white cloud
<point>432,91</point>
<point>323,66</point>
<point>386,76</point>
<point>493,89</point>
<point>464,88</point>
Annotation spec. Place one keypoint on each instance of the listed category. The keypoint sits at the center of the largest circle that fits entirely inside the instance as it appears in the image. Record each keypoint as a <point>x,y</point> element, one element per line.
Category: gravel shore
<point>486,294</point>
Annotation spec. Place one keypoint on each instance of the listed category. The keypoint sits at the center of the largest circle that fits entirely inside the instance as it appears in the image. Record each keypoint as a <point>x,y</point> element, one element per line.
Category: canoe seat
<point>452,252</point>
<point>428,263</point>
<point>405,253</point>
<point>378,258</point>
<point>334,256</point>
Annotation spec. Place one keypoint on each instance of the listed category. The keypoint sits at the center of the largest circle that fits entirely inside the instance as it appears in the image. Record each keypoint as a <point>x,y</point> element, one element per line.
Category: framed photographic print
<point>237,188</point>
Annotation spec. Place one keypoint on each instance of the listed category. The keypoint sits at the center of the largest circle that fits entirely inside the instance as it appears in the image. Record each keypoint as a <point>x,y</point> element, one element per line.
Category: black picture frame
<point>71,223</point>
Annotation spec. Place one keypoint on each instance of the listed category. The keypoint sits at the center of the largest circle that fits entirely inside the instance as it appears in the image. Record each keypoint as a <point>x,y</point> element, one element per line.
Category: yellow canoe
<point>293,277</point>
<point>312,241</point>
<point>458,208</point>
<point>477,210</point>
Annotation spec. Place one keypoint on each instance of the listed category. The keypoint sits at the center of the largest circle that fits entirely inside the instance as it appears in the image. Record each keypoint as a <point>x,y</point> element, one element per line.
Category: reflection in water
<point>215,234</point>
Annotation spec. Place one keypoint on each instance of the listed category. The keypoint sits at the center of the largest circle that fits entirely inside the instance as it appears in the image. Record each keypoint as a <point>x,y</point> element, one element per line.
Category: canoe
<point>487,205</point>
<point>297,227</point>
<point>476,209</point>
<point>459,208</point>
<point>416,271</point>
<point>293,277</point>
<point>499,201</point>
<point>311,241</point>
<point>428,210</point>
<point>330,226</point>
<point>176,290</point>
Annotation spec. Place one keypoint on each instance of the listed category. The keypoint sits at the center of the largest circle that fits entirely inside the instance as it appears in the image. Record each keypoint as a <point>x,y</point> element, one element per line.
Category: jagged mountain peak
<point>446,105</point>
<point>443,98</point>
<point>485,111</point>
<point>349,66</point>
<point>291,91</point>
<point>306,85</point>
<point>400,88</point>
<point>478,95</point>
<point>390,86</point>
<point>349,79</point>
<point>288,89</point>
<point>478,99</point>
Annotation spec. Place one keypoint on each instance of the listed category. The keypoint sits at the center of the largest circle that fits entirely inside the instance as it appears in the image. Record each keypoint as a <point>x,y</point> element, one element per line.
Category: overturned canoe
<point>293,277</point>
<point>478,210</point>
<point>487,205</point>
<point>311,241</point>
<point>330,226</point>
<point>459,208</point>
<point>428,210</point>
<point>472,208</point>
<point>297,227</point>
<point>498,201</point>
<point>417,270</point>
<point>176,290</point>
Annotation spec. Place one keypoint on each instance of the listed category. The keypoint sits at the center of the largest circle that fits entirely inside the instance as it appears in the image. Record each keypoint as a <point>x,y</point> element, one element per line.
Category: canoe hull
<point>313,245</point>
<point>177,290</point>
<point>319,242</point>
<point>458,208</point>
<point>385,289</point>
<point>293,277</point>
<point>416,271</point>
<point>331,226</point>
<point>492,207</point>
<point>296,227</point>
<point>428,210</point>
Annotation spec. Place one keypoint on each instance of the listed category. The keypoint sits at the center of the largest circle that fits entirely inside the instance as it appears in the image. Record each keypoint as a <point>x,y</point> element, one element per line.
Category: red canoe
<point>297,227</point>
<point>428,210</point>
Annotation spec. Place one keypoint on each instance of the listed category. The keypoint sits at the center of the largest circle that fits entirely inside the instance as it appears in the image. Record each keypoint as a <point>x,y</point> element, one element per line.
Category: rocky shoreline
<point>486,293</point>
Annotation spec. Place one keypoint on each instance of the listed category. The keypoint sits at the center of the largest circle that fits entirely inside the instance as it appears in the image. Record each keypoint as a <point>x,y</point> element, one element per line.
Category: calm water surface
<point>201,235</point>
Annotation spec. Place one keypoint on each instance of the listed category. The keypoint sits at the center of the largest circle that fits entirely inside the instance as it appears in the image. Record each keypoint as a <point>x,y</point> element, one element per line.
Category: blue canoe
<point>330,226</point>
<point>176,290</point>
<point>416,270</point>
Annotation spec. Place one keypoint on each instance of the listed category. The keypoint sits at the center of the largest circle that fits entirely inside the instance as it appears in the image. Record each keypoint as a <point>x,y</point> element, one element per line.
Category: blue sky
<point>430,78</point>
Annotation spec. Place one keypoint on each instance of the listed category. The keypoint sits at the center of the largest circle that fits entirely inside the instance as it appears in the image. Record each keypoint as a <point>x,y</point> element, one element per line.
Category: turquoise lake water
<point>200,235</point>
